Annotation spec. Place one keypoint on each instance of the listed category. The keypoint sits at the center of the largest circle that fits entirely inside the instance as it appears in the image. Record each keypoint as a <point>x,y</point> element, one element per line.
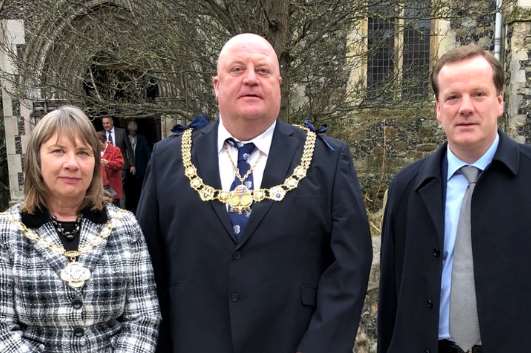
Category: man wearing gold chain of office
<point>256,228</point>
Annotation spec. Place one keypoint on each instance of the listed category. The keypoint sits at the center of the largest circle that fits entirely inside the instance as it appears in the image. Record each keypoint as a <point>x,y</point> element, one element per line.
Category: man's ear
<point>500,104</point>
<point>437,108</point>
<point>215,85</point>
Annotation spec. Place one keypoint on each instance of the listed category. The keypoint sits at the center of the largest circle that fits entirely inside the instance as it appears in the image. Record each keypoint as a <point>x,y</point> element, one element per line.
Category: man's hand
<point>132,170</point>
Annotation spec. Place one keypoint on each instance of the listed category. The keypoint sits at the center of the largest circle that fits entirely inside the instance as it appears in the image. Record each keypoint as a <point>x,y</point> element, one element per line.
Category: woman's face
<point>67,167</point>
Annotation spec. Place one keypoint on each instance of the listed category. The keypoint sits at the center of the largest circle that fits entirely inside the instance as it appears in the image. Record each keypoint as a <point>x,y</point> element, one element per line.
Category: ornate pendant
<point>240,199</point>
<point>75,274</point>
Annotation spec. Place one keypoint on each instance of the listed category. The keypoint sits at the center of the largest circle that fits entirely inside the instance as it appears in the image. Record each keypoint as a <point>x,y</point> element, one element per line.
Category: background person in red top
<point>112,163</point>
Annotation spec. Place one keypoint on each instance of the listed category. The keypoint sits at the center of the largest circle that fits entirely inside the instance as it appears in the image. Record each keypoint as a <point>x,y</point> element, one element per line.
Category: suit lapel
<point>47,233</point>
<point>430,189</point>
<point>90,233</point>
<point>280,158</point>
<point>205,157</point>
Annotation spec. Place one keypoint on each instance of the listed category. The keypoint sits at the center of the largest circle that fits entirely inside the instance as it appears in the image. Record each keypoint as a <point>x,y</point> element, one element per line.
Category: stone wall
<point>518,74</point>
<point>15,112</point>
<point>383,141</point>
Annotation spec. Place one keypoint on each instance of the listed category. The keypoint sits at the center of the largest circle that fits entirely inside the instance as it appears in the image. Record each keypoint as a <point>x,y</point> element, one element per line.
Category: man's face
<point>247,85</point>
<point>107,123</point>
<point>468,106</point>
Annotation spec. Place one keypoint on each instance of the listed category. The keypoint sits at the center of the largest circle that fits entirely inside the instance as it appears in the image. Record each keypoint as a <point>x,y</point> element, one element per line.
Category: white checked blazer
<point>115,311</point>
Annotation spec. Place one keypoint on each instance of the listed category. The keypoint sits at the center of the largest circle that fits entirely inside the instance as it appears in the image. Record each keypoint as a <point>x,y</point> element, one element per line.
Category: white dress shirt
<point>112,134</point>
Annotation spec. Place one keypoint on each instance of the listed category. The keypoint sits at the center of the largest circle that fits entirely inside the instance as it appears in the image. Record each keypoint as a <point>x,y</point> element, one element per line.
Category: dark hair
<point>463,53</point>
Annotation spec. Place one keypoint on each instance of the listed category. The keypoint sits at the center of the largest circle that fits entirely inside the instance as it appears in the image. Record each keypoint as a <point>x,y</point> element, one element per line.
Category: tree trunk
<point>277,13</point>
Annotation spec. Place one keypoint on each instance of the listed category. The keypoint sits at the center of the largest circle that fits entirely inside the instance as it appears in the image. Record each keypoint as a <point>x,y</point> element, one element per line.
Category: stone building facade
<point>383,138</point>
<point>14,112</point>
<point>387,137</point>
<point>518,71</point>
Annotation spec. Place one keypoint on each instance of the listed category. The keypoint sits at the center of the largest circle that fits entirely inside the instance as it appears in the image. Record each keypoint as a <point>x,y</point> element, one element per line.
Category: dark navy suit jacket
<point>297,280</point>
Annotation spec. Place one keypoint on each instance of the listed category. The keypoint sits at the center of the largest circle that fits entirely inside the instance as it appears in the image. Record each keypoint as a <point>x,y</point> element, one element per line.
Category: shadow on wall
<point>4,174</point>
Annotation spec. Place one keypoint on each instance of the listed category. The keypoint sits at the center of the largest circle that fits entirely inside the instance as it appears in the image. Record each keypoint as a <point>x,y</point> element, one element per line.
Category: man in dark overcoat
<point>456,242</point>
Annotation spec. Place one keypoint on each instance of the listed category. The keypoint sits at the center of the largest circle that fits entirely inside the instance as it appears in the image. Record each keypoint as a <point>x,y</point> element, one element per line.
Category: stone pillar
<point>16,127</point>
<point>518,71</point>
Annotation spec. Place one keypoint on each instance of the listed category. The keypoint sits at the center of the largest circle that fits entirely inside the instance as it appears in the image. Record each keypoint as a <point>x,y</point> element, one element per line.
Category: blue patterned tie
<point>239,220</point>
<point>109,137</point>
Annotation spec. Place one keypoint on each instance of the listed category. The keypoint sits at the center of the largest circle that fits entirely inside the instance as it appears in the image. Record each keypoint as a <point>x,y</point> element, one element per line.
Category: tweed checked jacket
<point>115,311</point>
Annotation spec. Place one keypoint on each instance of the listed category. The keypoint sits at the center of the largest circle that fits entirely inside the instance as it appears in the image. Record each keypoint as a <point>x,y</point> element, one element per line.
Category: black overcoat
<point>411,254</point>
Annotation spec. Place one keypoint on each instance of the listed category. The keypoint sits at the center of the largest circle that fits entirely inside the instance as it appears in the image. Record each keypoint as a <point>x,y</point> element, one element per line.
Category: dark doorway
<point>149,127</point>
<point>122,92</point>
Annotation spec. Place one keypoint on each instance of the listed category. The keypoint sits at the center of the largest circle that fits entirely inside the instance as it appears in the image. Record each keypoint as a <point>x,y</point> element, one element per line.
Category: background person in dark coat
<point>420,231</point>
<point>141,153</point>
<point>118,137</point>
<point>284,273</point>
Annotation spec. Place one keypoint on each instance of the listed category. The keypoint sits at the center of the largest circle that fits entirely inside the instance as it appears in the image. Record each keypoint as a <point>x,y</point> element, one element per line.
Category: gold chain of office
<point>241,199</point>
<point>73,273</point>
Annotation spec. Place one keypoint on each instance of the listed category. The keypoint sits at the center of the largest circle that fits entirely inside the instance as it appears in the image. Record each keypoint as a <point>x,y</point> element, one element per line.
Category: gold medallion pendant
<point>75,274</point>
<point>240,199</point>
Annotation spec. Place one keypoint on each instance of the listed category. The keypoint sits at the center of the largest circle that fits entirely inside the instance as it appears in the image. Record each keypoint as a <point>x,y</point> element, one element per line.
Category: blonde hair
<point>71,122</point>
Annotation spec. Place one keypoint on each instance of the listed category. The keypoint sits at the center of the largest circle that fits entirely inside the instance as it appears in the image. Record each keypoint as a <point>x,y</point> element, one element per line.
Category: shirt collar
<point>262,141</point>
<point>454,163</point>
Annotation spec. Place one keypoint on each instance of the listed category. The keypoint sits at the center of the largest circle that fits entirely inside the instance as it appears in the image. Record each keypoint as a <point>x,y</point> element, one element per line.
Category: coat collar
<point>205,158</point>
<point>507,155</point>
<point>429,187</point>
<point>42,216</point>
<point>432,167</point>
<point>430,183</point>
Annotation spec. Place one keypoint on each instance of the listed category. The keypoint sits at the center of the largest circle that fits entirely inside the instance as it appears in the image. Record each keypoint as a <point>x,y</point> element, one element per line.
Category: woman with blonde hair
<point>75,274</point>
